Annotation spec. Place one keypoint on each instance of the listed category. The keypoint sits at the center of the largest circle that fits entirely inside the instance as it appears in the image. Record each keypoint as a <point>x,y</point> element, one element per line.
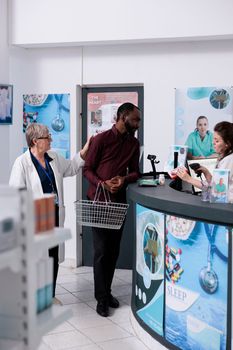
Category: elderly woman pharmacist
<point>42,171</point>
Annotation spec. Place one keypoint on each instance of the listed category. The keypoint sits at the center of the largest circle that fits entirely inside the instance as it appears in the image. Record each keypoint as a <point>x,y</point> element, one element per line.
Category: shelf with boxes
<point>23,260</point>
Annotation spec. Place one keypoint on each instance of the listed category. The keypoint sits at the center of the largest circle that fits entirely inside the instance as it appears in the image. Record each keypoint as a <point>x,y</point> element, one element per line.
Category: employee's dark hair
<point>125,108</point>
<point>225,130</point>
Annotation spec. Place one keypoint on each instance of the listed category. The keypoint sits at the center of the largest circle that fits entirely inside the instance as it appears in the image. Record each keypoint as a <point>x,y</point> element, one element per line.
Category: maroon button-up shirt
<point>110,154</point>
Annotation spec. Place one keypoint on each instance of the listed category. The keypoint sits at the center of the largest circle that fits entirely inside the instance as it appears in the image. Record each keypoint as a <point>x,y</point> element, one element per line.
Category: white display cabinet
<point>21,328</point>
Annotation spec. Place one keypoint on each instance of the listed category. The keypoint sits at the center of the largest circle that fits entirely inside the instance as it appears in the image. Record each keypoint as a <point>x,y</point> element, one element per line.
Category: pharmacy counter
<point>182,269</point>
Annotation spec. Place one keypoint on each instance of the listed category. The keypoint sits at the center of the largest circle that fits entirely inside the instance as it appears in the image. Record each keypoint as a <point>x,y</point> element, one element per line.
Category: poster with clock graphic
<point>52,110</point>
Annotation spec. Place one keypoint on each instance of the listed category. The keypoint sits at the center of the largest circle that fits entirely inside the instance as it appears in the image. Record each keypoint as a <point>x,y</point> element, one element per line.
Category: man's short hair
<point>125,108</point>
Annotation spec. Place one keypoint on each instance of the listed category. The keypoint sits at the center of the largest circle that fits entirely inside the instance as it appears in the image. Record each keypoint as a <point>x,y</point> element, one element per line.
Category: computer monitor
<point>209,163</point>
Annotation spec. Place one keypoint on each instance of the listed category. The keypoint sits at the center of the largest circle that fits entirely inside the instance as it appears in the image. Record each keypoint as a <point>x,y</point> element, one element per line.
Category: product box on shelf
<point>49,282</point>
<point>44,291</point>
<point>40,291</point>
<point>8,234</point>
<point>44,213</point>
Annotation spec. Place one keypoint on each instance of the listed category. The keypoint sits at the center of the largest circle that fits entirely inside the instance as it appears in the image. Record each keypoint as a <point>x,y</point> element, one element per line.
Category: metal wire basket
<point>105,214</point>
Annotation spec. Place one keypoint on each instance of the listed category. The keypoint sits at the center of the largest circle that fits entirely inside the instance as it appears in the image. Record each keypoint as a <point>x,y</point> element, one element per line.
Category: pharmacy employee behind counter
<point>223,145</point>
<point>200,141</point>
<point>42,171</point>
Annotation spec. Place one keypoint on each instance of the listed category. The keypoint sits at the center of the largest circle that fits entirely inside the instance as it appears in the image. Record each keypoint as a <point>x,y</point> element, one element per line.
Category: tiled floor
<point>86,330</point>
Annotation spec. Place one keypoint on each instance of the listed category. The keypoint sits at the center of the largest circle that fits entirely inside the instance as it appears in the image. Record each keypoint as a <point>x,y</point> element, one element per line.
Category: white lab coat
<point>24,174</point>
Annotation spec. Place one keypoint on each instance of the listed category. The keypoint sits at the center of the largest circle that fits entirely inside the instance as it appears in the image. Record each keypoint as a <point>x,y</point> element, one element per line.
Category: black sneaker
<point>102,308</point>
<point>113,302</point>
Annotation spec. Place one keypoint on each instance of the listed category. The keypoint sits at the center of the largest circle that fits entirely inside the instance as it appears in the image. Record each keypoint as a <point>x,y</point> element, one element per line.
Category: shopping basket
<point>96,213</point>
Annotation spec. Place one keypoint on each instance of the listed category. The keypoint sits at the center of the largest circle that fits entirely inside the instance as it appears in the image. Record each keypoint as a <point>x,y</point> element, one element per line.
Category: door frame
<point>84,243</point>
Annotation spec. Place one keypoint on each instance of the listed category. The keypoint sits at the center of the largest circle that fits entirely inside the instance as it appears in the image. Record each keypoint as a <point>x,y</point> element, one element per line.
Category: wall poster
<point>196,284</point>
<point>102,108</point>
<point>6,104</point>
<point>52,110</point>
<point>220,186</point>
<point>212,104</point>
<point>149,279</point>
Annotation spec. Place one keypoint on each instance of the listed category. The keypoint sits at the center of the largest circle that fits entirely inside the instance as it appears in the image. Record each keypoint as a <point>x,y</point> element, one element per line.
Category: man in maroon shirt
<point>112,159</point>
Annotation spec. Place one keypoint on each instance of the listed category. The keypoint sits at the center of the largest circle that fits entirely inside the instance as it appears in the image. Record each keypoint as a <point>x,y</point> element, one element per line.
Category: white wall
<point>70,22</point>
<point>4,79</point>
<point>47,71</point>
<point>160,67</point>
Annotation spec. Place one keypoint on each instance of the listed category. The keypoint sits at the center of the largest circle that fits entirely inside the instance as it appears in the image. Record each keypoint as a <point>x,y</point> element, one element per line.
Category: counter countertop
<point>166,199</point>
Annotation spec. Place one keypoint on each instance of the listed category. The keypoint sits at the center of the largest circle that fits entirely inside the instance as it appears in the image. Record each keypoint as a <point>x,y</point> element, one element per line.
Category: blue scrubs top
<point>220,188</point>
<point>198,147</point>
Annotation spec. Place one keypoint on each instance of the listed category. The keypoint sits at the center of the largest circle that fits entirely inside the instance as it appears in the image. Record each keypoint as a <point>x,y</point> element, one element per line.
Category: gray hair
<point>34,131</point>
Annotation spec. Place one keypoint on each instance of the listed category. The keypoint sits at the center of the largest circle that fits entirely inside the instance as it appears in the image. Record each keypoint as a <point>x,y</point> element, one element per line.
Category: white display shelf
<point>50,239</point>
<point>18,275</point>
<point>11,259</point>
<point>51,318</point>
<point>6,344</point>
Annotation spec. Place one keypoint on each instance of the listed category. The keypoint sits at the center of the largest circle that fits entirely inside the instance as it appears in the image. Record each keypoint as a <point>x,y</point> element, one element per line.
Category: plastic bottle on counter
<point>161,179</point>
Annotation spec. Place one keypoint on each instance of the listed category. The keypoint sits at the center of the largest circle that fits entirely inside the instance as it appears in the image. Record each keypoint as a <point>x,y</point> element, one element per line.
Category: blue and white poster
<point>52,110</point>
<point>212,104</point>
<point>196,284</point>
<point>220,186</point>
<point>149,279</point>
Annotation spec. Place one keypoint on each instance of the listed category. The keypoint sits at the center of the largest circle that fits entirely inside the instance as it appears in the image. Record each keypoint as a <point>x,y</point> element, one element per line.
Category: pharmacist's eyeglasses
<point>45,137</point>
